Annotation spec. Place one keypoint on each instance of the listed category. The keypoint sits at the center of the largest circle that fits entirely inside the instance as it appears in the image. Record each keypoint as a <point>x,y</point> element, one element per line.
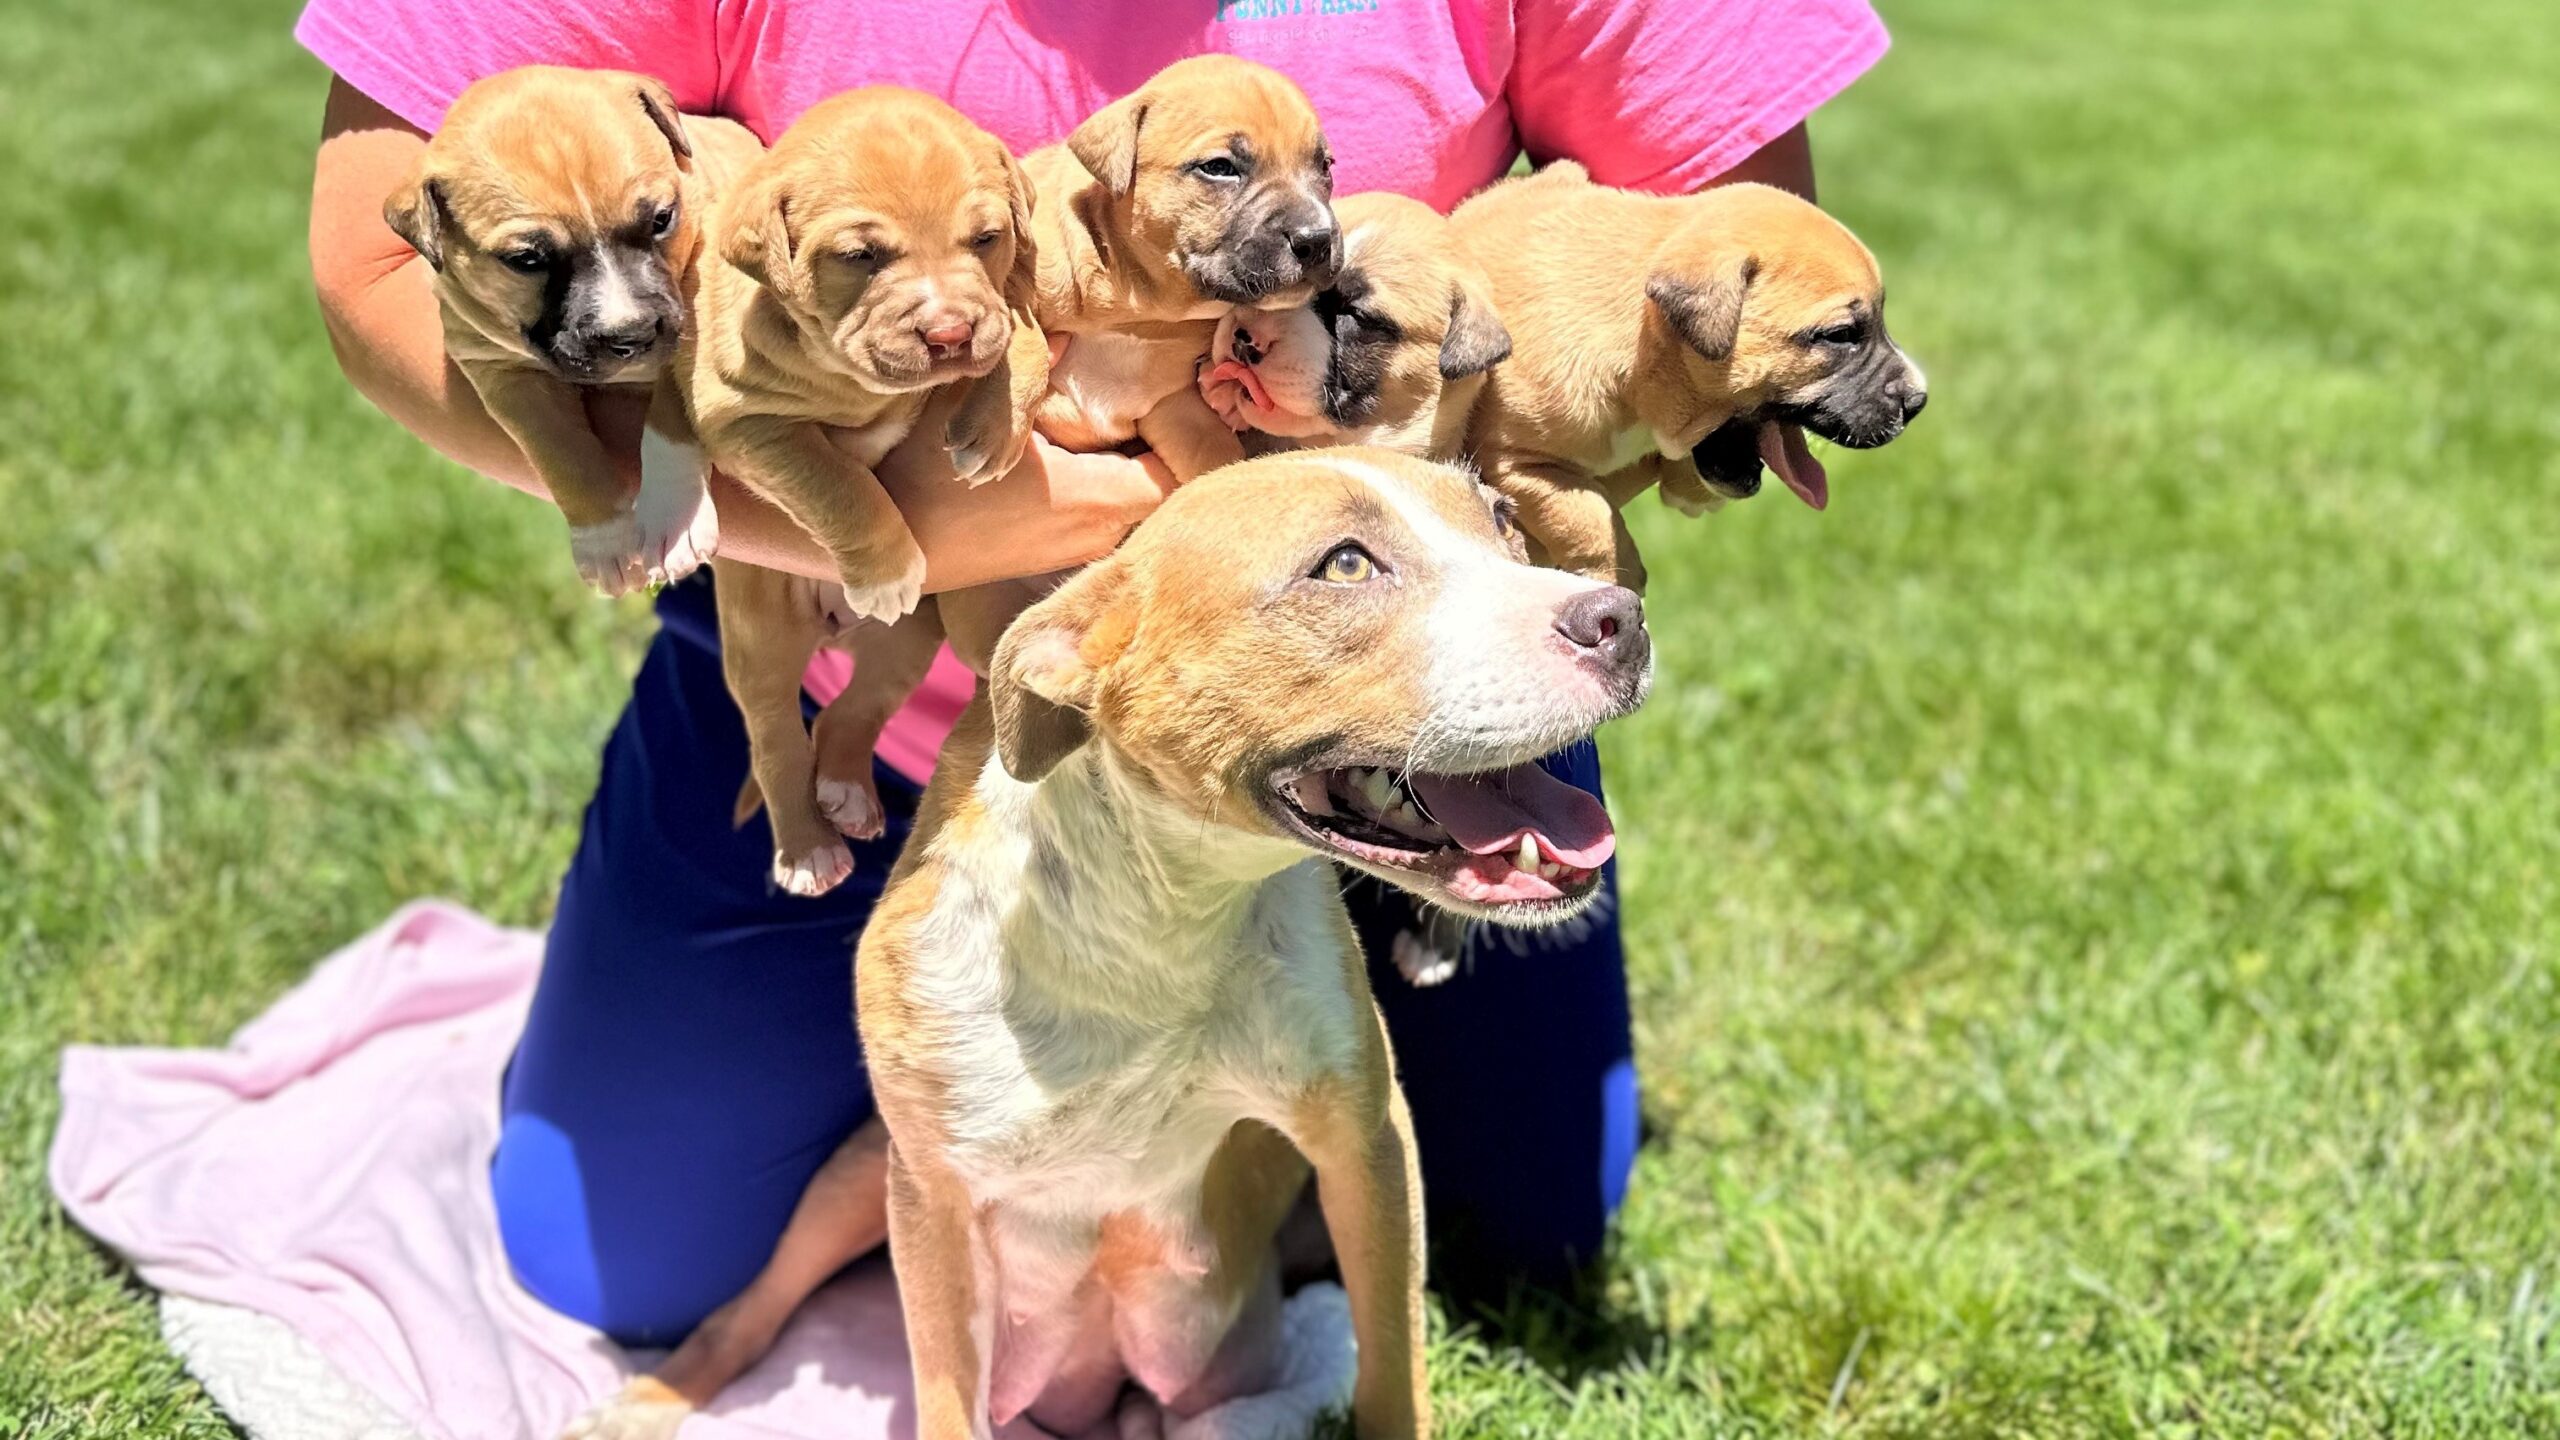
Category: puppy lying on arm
<point>1393,352</point>
<point>1711,330</point>
<point>869,279</point>
<point>562,212</point>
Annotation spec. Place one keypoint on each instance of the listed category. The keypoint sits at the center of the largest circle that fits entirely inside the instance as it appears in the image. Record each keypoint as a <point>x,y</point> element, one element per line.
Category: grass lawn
<point>2093,895</point>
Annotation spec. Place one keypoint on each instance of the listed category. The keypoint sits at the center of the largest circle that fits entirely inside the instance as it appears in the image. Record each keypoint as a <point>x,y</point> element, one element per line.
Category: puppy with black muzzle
<point>1393,353</point>
<point>1208,187</point>
<point>1712,330</point>
<point>562,212</point>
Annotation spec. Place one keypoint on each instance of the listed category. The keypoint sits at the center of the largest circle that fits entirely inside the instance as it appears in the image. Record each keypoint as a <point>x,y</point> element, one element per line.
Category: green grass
<point>2093,895</point>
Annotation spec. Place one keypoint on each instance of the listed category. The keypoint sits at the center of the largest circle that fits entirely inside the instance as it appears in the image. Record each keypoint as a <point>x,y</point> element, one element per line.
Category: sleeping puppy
<point>1111,1003</point>
<point>1393,353</point>
<point>869,278</point>
<point>1204,189</point>
<point>880,253</point>
<point>1208,187</point>
<point>562,211</point>
<point>1711,329</point>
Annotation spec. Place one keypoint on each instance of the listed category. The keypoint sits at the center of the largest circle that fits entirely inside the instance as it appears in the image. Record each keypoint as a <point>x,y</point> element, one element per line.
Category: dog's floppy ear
<point>1048,669</point>
<point>1706,307</point>
<point>1022,282</point>
<point>660,103</point>
<point>756,233</point>
<point>1107,143</point>
<point>1476,341</point>
<point>415,212</point>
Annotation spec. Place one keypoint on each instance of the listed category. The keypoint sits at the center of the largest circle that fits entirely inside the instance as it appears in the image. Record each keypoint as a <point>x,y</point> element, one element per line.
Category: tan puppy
<point>1205,189</point>
<point>880,253</point>
<point>1208,187</point>
<point>870,277</point>
<point>1393,353</point>
<point>562,211</point>
<point>1708,328</point>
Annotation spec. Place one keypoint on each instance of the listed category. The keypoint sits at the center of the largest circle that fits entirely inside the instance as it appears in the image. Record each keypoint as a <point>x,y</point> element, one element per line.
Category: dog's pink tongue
<point>1782,449</point>
<point>1489,813</point>
<point>1242,374</point>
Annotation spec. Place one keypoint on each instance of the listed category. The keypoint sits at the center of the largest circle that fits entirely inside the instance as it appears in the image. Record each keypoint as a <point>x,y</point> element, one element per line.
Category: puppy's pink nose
<point>947,333</point>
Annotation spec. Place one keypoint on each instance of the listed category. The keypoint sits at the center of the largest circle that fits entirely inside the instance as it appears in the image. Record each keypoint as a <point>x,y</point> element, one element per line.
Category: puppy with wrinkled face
<point>1711,330</point>
<point>878,257</point>
<point>1111,1003</point>
<point>870,277</point>
<point>562,212</point>
<point>1393,353</point>
<point>1208,187</point>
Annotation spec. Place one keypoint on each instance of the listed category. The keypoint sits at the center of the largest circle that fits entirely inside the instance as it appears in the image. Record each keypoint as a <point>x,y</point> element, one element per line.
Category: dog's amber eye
<point>1346,564</point>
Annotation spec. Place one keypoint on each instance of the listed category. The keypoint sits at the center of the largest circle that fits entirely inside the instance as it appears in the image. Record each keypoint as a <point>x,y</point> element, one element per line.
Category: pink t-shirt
<point>1433,98</point>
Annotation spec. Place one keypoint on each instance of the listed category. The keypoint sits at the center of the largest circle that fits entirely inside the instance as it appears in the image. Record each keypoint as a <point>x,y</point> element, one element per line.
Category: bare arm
<point>1786,162</point>
<point>1052,511</point>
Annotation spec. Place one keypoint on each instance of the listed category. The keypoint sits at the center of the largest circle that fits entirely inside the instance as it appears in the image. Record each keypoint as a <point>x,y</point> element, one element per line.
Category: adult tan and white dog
<point>562,211</point>
<point>1112,1005</point>
<point>1710,329</point>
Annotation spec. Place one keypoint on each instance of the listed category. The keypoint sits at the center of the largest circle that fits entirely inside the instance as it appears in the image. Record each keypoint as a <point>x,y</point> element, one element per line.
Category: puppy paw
<point>608,555</point>
<point>984,451</point>
<point>892,599</point>
<point>1692,502</point>
<point>679,526</point>
<point>1422,963</point>
<point>812,872</point>
<point>852,806</point>
<point>642,1411</point>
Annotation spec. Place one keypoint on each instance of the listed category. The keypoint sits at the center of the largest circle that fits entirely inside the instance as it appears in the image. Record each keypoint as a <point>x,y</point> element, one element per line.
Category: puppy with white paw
<point>562,211</point>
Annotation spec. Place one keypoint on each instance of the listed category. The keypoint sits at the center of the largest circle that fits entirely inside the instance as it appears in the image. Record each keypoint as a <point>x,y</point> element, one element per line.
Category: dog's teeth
<point>1528,859</point>
<point>1551,871</point>
<point>1377,789</point>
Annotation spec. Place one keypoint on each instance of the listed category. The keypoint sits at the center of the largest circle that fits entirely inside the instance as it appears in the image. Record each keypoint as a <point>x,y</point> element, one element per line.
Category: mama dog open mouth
<point>1516,840</point>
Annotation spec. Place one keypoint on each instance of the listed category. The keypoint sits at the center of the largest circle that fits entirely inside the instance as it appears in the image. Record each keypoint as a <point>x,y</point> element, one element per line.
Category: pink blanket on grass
<point>327,1170</point>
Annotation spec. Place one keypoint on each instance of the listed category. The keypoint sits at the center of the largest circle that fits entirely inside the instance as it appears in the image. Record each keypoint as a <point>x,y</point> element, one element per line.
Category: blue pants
<point>690,1058</point>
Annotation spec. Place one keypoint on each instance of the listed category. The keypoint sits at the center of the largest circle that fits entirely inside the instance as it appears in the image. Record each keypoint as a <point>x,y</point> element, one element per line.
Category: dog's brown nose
<point>1606,624</point>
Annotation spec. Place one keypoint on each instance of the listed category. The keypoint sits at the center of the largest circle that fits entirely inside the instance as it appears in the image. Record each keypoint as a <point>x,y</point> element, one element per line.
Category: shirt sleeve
<point>1653,95</point>
<point>415,56</point>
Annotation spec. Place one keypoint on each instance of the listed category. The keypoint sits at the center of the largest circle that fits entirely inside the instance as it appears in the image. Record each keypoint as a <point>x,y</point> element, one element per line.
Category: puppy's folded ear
<point>756,232</point>
<point>1049,668</point>
<point>1476,341</point>
<point>1705,306</point>
<point>1022,282</point>
<point>660,103</point>
<point>1107,143</point>
<point>415,212</point>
